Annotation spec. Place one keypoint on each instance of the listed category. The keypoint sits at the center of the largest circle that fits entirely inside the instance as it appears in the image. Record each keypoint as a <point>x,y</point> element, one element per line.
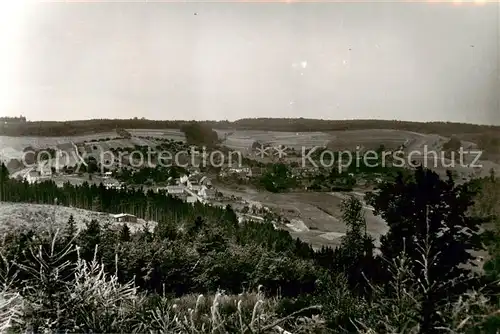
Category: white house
<point>207,193</point>
<point>191,199</point>
<point>183,179</point>
<point>45,170</point>
<point>193,183</point>
<point>125,217</point>
<point>205,181</point>
<point>32,176</point>
<point>175,190</point>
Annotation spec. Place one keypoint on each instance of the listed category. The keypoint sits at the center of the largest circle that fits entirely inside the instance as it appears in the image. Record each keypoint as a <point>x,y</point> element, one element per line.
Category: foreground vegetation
<point>200,270</point>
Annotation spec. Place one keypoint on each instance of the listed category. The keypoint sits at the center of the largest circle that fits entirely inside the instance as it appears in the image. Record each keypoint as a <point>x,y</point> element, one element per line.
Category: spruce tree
<point>355,255</point>
<point>125,233</point>
<point>4,176</point>
<point>428,221</point>
<point>70,228</point>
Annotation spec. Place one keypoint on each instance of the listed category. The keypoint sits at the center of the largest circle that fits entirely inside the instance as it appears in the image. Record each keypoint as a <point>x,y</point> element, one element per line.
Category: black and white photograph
<point>244,167</point>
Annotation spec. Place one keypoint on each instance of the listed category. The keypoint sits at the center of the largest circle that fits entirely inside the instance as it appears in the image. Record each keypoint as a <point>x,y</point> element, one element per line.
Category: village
<point>193,186</point>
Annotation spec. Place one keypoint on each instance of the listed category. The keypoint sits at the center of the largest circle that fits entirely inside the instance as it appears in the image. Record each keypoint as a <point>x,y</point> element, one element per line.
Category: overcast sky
<point>408,61</point>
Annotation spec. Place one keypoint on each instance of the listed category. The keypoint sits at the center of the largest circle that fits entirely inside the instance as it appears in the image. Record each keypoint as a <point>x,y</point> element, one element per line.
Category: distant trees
<point>198,134</point>
<point>278,178</point>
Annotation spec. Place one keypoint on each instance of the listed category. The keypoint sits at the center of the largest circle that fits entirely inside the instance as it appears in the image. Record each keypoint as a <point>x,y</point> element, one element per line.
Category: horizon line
<point>253,118</point>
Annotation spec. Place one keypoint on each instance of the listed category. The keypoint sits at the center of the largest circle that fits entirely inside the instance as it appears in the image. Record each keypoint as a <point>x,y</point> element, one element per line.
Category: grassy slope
<point>23,216</point>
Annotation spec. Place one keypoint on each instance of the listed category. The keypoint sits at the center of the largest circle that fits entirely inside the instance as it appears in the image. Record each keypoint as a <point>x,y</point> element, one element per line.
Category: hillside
<point>486,137</point>
<point>82,127</point>
<point>22,217</point>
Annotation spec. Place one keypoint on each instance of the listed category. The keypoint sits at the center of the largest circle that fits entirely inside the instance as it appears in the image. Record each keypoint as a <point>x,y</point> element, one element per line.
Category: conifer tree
<point>70,228</point>
<point>429,222</point>
<point>4,176</point>
<point>125,233</point>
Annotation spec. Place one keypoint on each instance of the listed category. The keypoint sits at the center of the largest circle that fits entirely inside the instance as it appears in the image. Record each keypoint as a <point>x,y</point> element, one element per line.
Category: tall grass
<point>93,300</point>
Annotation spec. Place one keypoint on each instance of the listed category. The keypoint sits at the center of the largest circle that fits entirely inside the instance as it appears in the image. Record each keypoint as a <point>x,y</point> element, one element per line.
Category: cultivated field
<point>243,140</point>
<point>12,147</point>
<point>173,134</point>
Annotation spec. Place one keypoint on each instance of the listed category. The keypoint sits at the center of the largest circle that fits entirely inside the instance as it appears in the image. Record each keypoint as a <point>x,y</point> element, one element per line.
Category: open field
<point>390,139</point>
<point>418,143</point>
<point>12,147</point>
<point>173,134</point>
<point>314,217</point>
<point>243,139</point>
<point>23,217</point>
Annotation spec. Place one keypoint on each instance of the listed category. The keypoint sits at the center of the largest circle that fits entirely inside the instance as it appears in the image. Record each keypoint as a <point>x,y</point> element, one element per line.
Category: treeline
<point>264,124</point>
<point>199,134</point>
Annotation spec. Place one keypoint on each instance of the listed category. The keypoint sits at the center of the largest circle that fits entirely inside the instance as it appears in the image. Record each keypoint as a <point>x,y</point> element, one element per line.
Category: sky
<point>427,61</point>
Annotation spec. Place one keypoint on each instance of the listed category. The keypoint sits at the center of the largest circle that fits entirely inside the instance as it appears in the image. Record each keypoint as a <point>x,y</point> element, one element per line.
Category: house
<point>108,174</point>
<point>32,176</point>
<point>67,147</point>
<point>182,197</point>
<point>205,181</point>
<point>195,187</point>
<point>175,190</point>
<point>183,179</point>
<point>191,199</point>
<point>255,172</point>
<point>125,218</point>
<point>44,170</point>
<point>240,171</point>
<point>193,183</point>
<point>207,193</point>
<point>112,185</point>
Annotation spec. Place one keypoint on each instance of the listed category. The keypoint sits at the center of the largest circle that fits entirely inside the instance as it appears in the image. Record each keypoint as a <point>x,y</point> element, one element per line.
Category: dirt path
<point>314,217</point>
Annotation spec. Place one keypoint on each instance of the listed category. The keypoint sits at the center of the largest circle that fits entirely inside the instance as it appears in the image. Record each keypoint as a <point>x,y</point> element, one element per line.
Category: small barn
<point>125,218</point>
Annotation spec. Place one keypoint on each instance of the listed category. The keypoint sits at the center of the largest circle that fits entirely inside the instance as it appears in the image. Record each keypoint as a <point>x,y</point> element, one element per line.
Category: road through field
<point>319,212</point>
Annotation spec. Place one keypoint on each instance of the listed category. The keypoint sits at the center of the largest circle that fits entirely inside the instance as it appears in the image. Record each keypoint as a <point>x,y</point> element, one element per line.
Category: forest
<point>201,271</point>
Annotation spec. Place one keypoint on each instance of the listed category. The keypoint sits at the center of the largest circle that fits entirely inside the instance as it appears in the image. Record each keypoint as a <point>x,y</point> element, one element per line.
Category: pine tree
<point>70,228</point>
<point>90,238</point>
<point>355,255</point>
<point>197,226</point>
<point>4,176</point>
<point>428,221</point>
<point>125,233</point>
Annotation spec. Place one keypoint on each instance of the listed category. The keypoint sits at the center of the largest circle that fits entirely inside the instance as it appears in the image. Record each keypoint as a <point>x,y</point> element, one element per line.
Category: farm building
<point>191,199</point>
<point>32,176</point>
<point>125,218</point>
<point>44,170</point>
<point>207,193</point>
<point>193,182</point>
<point>205,181</point>
<point>175,190</point>
<point>68,147</point>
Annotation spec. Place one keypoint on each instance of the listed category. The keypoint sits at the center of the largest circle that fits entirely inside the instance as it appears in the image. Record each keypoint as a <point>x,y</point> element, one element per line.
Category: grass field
<point>173,134</point>
<point>23,217</point>
<point>314,217</point>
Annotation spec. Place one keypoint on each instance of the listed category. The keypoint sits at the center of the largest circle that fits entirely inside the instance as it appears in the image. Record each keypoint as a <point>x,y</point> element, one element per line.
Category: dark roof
<point>65,146</point>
